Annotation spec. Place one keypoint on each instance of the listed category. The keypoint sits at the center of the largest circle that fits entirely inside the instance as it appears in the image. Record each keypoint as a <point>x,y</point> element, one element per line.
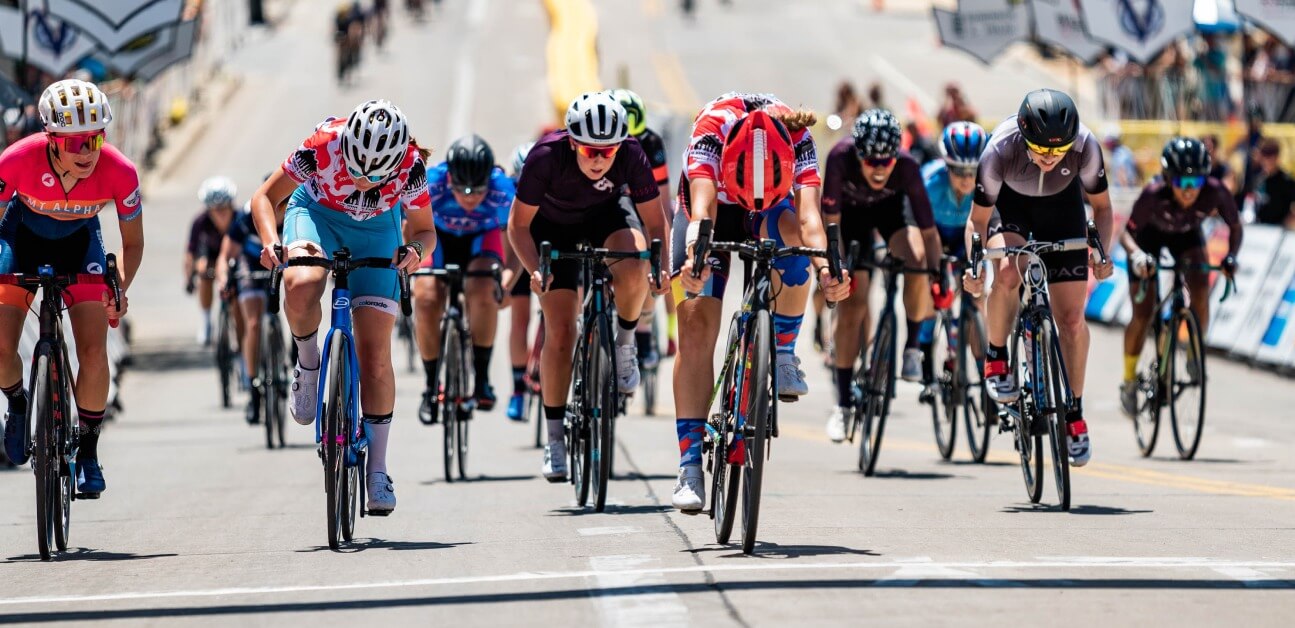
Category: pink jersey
<point>318,166</point>
<point>713,124</point>
<point>27,176</point>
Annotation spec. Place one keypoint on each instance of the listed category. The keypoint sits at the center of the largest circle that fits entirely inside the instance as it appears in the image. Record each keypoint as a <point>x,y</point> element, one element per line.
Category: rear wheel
<point>877,381</point>
<point>224,355</point>
<point>466,404</point>
<point>1058,404</point>
<point>973,397</point>
<point>942,393</point>
<point>336,406</point>
<point>451,368</point>
<point>45,459</point>
<point>1151,390</point>
<point>1187,385</point>
<point>757,392</point>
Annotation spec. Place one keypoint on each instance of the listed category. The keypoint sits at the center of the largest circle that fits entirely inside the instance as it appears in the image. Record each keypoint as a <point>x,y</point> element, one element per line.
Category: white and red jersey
<point>318,166</point>
<point>713,124</point>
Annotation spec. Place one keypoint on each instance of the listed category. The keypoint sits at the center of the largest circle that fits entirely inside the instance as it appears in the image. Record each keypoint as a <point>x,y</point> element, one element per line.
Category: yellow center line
<point>674,82</point>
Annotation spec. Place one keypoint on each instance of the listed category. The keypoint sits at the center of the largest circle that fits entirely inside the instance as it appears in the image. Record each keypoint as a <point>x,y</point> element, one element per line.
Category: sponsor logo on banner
<point>1253,261</point>
<point>1141,28</point>
<point>983,28</point>
<point>1279,338</point>
<point>1266,300</point>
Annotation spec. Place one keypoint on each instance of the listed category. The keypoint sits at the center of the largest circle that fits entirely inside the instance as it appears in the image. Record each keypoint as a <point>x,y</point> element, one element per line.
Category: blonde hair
<point>796,120</point>
<point>424,153</point>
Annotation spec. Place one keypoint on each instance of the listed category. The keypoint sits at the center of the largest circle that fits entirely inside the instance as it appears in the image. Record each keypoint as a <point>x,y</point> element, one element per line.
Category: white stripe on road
<point>629,607</point>
<point>539,576</point>
<point>1250,577</point>
<point>608,530</point>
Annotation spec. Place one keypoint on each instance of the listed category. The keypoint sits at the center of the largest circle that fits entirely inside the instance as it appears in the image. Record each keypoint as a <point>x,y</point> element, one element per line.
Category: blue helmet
<point>962,143</point>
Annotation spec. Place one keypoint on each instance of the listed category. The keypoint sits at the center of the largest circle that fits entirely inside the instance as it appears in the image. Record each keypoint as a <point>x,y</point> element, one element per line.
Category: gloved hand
<point>942,295</point>
<point>1229,265</point>
<point>1143,264</point>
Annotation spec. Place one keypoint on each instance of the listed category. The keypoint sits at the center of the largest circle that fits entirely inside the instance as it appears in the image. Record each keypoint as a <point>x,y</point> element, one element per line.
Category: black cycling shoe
<point>15,446</point>
<point>485,398</point>
<point>253,411</point>
<point>427,412</point>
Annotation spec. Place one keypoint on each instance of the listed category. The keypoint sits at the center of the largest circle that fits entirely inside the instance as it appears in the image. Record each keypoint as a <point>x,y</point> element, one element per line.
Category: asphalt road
<point>203,525</point>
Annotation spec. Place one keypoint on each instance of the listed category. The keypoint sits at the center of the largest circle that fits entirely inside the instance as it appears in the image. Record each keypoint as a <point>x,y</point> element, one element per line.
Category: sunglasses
<point>1189,182</point>
<point>590,152</point>
<point>877,162</point>
<point>962,172</point>
<point>74,143</point>
<point>372,178</point>
<point>1048,151</point>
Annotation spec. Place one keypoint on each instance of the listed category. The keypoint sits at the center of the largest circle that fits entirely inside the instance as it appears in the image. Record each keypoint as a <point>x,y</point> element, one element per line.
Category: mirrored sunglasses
<point>590,152</point>
<point>962,171</point>
<point>1186,182</point>
<point>373,178</point>
<point>74,143</point>
<point>877,162</point>
<point>1048,151</point>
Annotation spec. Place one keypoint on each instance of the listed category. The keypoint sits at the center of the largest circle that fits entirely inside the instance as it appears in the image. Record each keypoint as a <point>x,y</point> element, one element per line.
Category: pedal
<point>556,480</point>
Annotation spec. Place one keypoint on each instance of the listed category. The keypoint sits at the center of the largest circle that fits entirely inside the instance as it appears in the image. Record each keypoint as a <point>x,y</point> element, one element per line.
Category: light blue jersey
<point>950,215</point>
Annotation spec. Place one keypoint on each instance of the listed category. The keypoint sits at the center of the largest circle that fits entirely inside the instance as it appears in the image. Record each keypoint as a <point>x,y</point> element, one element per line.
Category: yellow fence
<point>572,53</point>
<point>1147,137</point>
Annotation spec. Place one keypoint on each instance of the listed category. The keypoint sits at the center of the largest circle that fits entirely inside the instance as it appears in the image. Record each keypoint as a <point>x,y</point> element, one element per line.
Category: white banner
<point>1266,300</point>
<point>1252,266</point>
<point>53,45</point>
<point>115,23</point>
<point>1142,28</point>
<point>1278,342</point>
<point>1058,22</point>
<point>983,28</point>
<point>1276,16</point>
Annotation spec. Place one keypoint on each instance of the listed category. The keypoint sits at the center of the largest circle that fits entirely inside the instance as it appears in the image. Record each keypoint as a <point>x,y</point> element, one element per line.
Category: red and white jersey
<point>318,166</point>
<point>713,124</point>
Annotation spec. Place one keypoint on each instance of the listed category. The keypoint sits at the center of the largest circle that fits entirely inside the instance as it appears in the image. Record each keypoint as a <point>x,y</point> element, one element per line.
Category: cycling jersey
<point>553,181</point>
<point>452,218</point>
<point>948,212</point>
<point>1156,210</point>
<point>717,118</point>
<point>846,192</point>
<point>204,237</point>
<point>654,147</point>
<point>317,165</point>
<point>1006,162</point>
<point>242,232</point>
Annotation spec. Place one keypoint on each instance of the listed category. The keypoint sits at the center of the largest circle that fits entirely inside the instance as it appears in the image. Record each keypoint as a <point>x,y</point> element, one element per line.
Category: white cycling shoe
<point>555,462</point>
<point>690,490</point>
<point>836,425</point>
<point>627,368</point>
<point>305,393</point>
<point>382,494</point>
<point>791,380</point>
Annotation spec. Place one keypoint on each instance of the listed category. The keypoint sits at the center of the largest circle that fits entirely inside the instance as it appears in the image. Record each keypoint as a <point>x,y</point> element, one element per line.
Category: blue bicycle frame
<point>340,323</point>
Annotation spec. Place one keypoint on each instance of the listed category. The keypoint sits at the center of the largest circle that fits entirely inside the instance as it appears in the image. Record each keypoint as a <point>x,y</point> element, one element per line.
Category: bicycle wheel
<point>336,407</point>
<point>1186,384</point>
<point>725,478</point>
<point>535,410</point>
<point>877,381</point>
<point>451,354</point>
<point>1029,447</point>
<point>944,406</point>
<point>1151,389</point>
<point>578,428</point>
<point>224,356</point>
<point>757,392</point>
<point>45,460</point>
<point>466,406</point>
<point>603,397</point>
<point>280,381</point>
<point>971,393</point>
<point>649,375</point>
<point>266,372</point>
<point>1057,403</point>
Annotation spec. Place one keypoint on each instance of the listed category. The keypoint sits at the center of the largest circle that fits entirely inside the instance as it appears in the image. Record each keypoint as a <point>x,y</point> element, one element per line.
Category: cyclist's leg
<point>1135,332</point>
<point>1001,307</point>
<point>853,317</point>
<point>14,303</point>
<point>1190,252</point>
<point>518,342</point>
<point>90,333</point>
<point>307,235</point>
<point>483,311</point>
<point>906,243</point>
<point>791,283</point>
<point>429,306</point>
<point>560,305</point>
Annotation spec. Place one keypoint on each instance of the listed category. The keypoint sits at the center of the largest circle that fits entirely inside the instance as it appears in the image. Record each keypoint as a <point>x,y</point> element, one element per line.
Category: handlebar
<point>1229,288</point>
<point>598,254</point>
<point>454,272</point>
<point>45,278</point>
<point>342,263</point>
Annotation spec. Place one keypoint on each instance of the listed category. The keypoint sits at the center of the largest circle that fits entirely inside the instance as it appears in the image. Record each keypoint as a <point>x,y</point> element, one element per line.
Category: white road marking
<point>1250,577</point>
<point>1173,564</point>
<point>1242,442</point>
<point>604,531</point>
<point>892,74</point>
<point>923,568</point>
<point>627,608</point>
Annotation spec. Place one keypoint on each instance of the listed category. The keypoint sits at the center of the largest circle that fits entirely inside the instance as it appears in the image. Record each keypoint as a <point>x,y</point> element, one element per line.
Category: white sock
<point>625,335</point>
<point>377,457</point>
<point>307,351</point>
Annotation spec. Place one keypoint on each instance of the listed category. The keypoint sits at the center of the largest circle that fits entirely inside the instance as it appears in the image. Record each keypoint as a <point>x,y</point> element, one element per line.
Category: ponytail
<point>797,120</point>
<point>423,153</point>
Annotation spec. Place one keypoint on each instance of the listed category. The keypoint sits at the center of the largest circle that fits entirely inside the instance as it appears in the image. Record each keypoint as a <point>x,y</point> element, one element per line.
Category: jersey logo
<point>1065,172</point>
<point>131,201</point>
<point>94,268</point>
<point>47,179</point>
<point>603,185</point>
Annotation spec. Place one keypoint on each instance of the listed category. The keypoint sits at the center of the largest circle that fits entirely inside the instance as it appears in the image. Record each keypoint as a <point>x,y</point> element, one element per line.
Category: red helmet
<point>757,164</point>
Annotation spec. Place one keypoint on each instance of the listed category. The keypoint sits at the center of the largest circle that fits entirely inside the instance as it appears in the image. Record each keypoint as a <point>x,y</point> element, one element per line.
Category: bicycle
<point>455,395</point>
<point>595,398</point>
<point>50,409</point>
<point>959,385</point>
<point>1176,368</point>
<point>874,375</point>
<point>648,373</point>
<point>1045,395</point>
<point>342,441</point>
<point>226,354</point>
<point>531,378</point>
<point>272,374</point>
<point>744,395</point>
<point>405,331</point>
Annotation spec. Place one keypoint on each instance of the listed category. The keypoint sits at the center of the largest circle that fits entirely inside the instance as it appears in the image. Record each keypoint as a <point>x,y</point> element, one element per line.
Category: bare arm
<point>265,202</point>
<point>132,250</point>
<point>519,234</point>
<point>420,228</point>
<point>809,210</point>
<point>228,251</point>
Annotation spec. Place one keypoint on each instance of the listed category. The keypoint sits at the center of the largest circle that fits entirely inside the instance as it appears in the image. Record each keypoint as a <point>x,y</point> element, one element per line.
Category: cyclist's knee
<point>561,337</point>
<point>1007,276</point>
<point>1070,320</point>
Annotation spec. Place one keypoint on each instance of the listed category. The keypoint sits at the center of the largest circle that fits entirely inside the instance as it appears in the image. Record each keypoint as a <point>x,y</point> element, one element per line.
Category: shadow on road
<point>360,545</point>
<point>900,474</point>
<point>774,550</point>
<point>170,356</point>
<point>619,509</point>
<point>485,478</point>
<point>1086,509</point>
<point>634,475</point>
<point>972,463</point>
<point>83,553</point>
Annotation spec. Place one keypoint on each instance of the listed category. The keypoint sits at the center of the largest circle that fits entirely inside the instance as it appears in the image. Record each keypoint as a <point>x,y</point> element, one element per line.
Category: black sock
<point>91,422</point>
<point>928,362</point>
<point>481,365</point>
<point>644,341</point>
<point>914,328</point>
<point>17,397</point>
<point>995,352</point>
<point>1076,410</point>
<point>429,367</point>
<point>844,383</point>
<point>519,380</point>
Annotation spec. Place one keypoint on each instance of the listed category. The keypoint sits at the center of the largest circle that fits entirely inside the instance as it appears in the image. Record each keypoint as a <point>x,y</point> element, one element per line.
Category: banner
<point>1252,265</point>
<point>1266,300</point>
<point>1279,338</point>
<point>115,23</point>
<point>1108,297</point>
<point>983,28</point>
<point>1141,28</point>
<point>1276,16</point>
<point>53,45</point>
<point>1058,22</point>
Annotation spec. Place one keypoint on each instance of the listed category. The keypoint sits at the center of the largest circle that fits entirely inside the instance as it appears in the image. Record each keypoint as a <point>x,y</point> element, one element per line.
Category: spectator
<point>1121,166</point>
<point>1247,146</point>
<point>1275,190</point>
<point>1211,63</point>
<point>920,147</point>
<point>848,106</point>
<point>955,107</point>
<point>1220,169</point>
<point>876,97</point>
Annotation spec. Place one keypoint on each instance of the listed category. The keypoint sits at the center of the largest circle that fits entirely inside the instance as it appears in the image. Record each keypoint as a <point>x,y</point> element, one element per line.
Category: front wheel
<point>726,478</point>
<point>757,388</point>
<point>450,390</point>
<point>602,398</point>
<point>1057,397</point>
<point>1028,447</point>
<point>45,460</point>
<point>942,393</point>
<point>976,406</point>
<point>335,411</point>
<point>877,382</point>
<point>224,356</point>
<point>1187,384</point>
<point>1151,390</point>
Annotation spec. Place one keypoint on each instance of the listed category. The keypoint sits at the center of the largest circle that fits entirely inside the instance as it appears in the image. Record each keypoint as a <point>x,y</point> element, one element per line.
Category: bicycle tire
<point>224,358</point>
<point>350,486</point>
<point>725,478</point>
<point>943,400</point>
<point>1028,446</point>
<point>1193,355</point>
<point>878,384</point>
<point>1151,389</point>
<point>45,458</point>
<point>975,403</point>
<point>467,405</point>
<point>535,403</point>
<point>335,409</point>
<point>603,395</point>
<point>450,370</point>
<point>267,375</point>
<point>578,430</point>
<point>758,386</point>
<point>66,437</point>
<point>281,381</point>
<point>1058,399</point>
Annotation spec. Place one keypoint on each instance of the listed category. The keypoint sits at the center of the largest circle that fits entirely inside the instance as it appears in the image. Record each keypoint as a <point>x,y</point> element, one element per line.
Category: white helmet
<point>597,119</point>
<point>74,106</point>
<point>375,139</point>
<point>217,191</point>
<point>519,157</point>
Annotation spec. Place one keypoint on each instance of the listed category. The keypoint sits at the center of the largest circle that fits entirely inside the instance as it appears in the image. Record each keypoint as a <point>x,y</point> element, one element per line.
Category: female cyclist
<point>351,174</point>
<point>205,234</point>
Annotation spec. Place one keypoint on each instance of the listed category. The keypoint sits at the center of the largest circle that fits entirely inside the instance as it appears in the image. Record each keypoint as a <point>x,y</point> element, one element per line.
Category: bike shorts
<point>522,287</point>
<point>1060,216</point>
<point>307,222</point>
<point>22,251</point>
<point>732,224</point>
<point>461,249</point>
<point>602,222</point>
<point>1186,248</point>
<point>859,226</point>
<point>249,288</point>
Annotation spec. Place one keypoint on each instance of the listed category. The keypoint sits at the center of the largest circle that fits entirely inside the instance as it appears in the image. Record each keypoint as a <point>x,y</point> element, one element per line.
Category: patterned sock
<point>785,331</point>
<point>379,426</point>
<point>553,416</point>
<point>91,422</point>
<point>690,433</point>
<point>17,397</point>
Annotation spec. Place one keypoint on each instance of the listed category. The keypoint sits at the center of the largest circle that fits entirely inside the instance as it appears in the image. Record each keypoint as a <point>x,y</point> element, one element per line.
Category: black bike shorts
<point>602,222</point>
<point>1048,219</point>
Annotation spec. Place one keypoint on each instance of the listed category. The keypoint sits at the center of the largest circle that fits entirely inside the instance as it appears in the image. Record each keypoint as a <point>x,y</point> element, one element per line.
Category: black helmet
<point>877,134</point>
<point>1185,156</point>
<point>470,162</point>
<point>1048,118</point>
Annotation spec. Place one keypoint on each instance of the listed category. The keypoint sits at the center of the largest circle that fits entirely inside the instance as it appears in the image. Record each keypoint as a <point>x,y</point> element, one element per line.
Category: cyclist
<point>519,297</point>
<point>568,193</point>
<point>1032,171</point>
<point>243,244</point>
<point>1168,215</point>
<point>205,234</point>
<point>470,200</point>
<point>55,184</point>
<point>869,184</point>
<point>352,172</point>
<point>654,146</point>
<point>752,169</point>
